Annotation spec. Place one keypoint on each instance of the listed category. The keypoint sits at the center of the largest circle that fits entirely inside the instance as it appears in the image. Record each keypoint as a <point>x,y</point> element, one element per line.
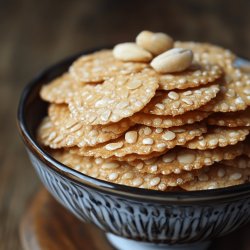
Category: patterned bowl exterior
<point>133,213</point>
<point>145,221</point>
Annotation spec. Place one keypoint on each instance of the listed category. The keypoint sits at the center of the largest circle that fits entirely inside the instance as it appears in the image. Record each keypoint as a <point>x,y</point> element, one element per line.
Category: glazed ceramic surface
<point>133,218</point>
<point>154,222</point>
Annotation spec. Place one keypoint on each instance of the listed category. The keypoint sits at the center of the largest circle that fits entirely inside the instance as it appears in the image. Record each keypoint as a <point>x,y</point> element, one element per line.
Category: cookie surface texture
<point>218,137</point>
<point>101,65</point>
<point>181,101</point>
<point>144,140</point>
<point>115,99</point>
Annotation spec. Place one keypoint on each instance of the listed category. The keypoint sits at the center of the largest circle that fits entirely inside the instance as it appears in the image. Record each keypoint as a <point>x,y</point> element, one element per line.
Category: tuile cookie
<point>115,99</point>
<point>218,137</point>
<point>217,176</point>
<point>181,101</point>
<point>59,90</point>
<point>234,94</point>
<point>232,119</point>
<point>48,135</point>
<point>132,157</point>
<point>120,172</point>
<point>101,65</point>
<point>242,161</point>
<point>77,134</point>
<point>74,134</point>
<point>228,100</point>
<point>144,140</point>
<point>167,121</point>
<point>180,159</point>
<point>61,116</point>
<point>242,82</point>
<point>208,53</point>
<point>196,75</point>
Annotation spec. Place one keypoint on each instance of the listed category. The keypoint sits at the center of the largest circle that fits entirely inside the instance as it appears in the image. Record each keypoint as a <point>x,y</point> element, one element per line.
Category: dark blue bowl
<point>133,218</point>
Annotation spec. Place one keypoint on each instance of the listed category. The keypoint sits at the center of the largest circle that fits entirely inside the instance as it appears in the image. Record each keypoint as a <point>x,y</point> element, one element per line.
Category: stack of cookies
<point>154,114</point>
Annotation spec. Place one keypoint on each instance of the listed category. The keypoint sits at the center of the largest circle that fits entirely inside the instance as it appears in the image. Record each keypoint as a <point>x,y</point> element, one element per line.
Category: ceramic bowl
<point>132,218</point>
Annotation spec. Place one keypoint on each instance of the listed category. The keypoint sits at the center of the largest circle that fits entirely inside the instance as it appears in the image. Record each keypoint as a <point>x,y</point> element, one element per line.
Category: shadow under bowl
<point>133,218</point>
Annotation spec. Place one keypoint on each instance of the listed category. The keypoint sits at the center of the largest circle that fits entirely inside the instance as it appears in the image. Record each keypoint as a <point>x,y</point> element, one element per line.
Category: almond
<point>156,43</point>
<point>131,52</point>
<point>174,60</point>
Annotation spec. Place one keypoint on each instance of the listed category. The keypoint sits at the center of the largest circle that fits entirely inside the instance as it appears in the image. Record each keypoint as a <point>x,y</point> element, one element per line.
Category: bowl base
<point>45,212</point>
<point>121,243</point>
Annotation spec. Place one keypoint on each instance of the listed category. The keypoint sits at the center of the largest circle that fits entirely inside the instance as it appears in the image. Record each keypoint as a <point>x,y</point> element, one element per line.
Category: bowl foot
<point>121,243</point>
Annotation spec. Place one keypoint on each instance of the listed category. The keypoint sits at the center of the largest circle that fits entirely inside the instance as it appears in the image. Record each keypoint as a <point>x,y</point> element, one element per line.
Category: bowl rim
<point>220,195</point>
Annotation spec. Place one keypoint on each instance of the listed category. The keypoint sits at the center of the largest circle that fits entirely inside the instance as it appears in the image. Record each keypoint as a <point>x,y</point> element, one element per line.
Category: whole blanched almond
<point>174,60</point>
<point>156,43</point>
<point>131,52</point>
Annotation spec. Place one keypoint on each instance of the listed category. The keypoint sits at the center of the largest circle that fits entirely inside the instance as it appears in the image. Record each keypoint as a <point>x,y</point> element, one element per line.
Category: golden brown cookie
<point>101,65</point>
<point>77,134</point>
<point>218,176</point>
<point>232,119</point>
<point>132,157</point>
<point>144,140</point>
<point>115,99</point>
<point>167,121</point>
<point>208,53</point>
<point>59,90</point>
<point>120,172</point>
<point>196,75</point>
<point>218,137</point>
<point>234,94</point>
<point>49,135</point>
<point>180,159</point>
<point>181,101</point>
<point>242,83</point>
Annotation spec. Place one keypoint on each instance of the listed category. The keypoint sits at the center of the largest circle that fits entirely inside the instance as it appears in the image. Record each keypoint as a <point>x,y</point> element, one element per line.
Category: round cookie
<point>101,65</point>
<point>196,75</point>
<point>60,90</point>
<point>115,99</point>
<point>181,101</point>
<point>49,135</point>
<point>242,83</point>
<point>120,172</point>
<point>208,53</point>
<point>77,134</point>
<point>132,157</point>
<point>167,121</point>
<point>143,140</point>
<point>234,95</point>
<point>180,159</point>
<point>217,176</point>
<point>232,119</point>
<point>218,137</point>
